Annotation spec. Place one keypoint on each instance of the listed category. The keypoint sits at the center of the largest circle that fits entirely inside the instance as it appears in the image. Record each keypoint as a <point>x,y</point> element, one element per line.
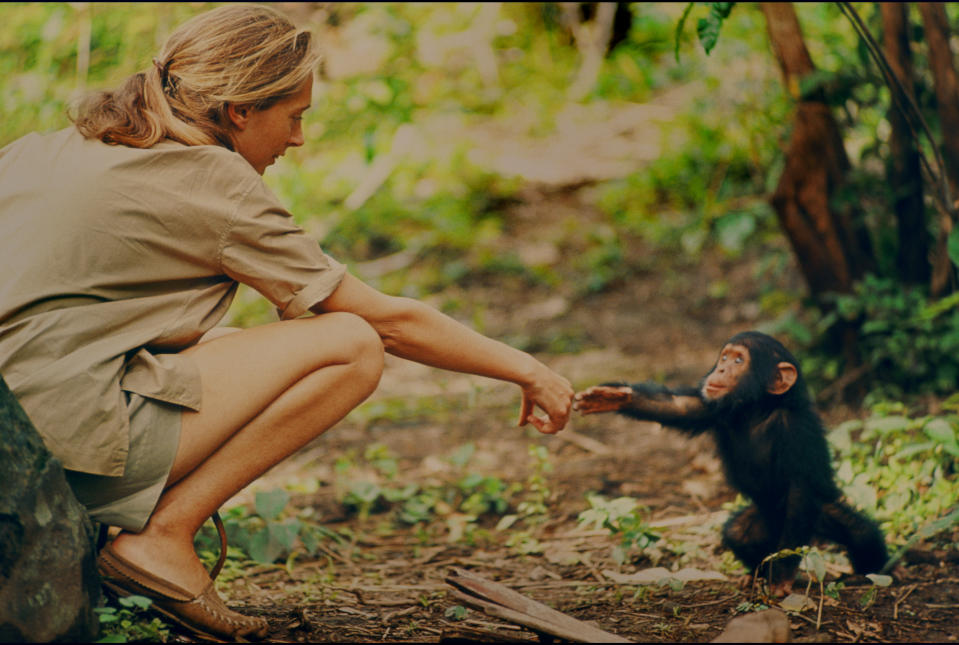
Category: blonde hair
<point>239,54</point>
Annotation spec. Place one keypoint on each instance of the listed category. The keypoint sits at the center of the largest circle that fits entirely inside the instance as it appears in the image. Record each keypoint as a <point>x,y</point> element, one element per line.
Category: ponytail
<point>232,54</point>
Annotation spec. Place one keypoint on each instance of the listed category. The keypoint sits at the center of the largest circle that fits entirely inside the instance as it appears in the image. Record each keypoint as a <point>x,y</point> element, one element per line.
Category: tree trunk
<point>936,29</point>
<point>48,580</point>
<point>828,238</point>
<point>902,169</point>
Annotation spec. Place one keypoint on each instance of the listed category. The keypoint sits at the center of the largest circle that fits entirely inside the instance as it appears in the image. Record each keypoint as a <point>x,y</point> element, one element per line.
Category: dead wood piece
<point>767,626</point>
<point>386,618</point>
<point>471,635</point>
<point>502,602</point>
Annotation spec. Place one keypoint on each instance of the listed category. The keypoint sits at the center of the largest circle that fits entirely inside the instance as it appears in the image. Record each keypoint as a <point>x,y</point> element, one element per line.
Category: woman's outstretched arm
<point>413,330</point>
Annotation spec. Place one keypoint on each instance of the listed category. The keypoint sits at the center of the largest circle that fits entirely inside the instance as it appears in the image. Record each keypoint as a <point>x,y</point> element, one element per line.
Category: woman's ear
<point>239,114</point>
<point>786,376</point>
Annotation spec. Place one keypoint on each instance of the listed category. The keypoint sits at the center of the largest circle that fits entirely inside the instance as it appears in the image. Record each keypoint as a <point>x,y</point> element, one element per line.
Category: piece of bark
<point>502,602</point>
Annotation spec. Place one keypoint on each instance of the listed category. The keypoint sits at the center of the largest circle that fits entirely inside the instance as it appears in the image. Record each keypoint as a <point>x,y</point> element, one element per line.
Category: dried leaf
<point>560,553</point>
<point>797,602</point>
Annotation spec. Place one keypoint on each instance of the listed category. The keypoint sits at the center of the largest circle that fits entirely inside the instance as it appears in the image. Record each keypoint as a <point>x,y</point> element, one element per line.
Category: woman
<point>129,234</point>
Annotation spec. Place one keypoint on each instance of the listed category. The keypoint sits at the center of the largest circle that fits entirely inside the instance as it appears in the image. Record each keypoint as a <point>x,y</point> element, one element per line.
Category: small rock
<point>48,580</point>
<point>767,626</point>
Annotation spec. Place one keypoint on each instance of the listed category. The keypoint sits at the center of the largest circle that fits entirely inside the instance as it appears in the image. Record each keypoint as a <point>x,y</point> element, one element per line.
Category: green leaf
<point>941,431</point>
<point>400,494</point>
<point>816,566</point>
<point>886,425</point>
<point>136,601</point>
<point>364,491</point>
<point>456,612</point>
<point>268,544</point>
<point>270,504</point>
<point>311,541</point>
<point>733,229</point>
<point>593,516</point>
<point>708,27</point>
<point>462,455</point>
<point>285,533</point>
<point>915,449</point>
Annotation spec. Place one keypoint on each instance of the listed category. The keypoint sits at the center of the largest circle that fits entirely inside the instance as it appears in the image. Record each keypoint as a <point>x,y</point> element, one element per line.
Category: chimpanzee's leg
<point>751,537</point>
<point>747,535</point>
<point>843,524</point>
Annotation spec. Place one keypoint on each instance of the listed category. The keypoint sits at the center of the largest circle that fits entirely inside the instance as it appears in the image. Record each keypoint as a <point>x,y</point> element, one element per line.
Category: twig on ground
<point>902,596</point>
<point>386,618</point>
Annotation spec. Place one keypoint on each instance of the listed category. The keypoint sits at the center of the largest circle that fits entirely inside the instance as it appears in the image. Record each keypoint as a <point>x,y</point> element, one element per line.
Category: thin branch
<point>908,108</point>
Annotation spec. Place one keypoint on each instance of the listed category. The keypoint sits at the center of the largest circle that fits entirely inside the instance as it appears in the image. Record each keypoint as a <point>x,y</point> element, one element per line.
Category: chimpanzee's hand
<point>602,398</point>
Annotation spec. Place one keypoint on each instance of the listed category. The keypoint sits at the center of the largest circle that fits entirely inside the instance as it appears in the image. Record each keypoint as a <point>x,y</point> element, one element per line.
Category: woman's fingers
<point>557,409</point>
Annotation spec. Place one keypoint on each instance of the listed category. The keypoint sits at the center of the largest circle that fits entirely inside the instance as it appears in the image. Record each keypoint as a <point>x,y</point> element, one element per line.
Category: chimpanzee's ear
<point>784,379</point>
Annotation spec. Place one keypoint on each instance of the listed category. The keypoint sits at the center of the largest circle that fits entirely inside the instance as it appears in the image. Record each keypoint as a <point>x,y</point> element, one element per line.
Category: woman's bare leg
<point>267,391</point>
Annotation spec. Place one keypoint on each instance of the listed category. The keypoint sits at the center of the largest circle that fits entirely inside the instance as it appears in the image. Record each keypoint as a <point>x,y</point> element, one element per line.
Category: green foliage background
<point>439,204</point>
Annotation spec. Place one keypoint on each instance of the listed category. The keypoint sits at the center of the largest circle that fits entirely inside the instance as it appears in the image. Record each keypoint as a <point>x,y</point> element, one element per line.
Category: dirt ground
<point>387,582</point>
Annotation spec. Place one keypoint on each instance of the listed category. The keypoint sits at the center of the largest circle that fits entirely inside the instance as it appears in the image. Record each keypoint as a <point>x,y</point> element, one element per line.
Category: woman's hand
<point>554,395</point>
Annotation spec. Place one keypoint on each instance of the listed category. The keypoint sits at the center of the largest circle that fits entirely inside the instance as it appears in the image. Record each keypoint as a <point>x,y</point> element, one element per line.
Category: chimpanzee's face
<point>729,372</point>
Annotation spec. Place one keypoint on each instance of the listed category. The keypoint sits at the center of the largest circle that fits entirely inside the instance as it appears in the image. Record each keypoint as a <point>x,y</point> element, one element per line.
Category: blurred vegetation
<point>392,171</point>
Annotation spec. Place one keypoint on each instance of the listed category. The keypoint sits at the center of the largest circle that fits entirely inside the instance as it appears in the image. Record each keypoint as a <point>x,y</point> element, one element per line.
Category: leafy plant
<point>267,535</point>
<point>456,612</point>
<point>130,622</point>
<point>536,490</point>
<point>485,494</point>
<point>623,517</point>
<point>910,459</point>
<point>748,606</point>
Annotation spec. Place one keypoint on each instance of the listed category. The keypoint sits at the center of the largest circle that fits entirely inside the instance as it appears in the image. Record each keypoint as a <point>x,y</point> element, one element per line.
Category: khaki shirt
<point>113,260</point>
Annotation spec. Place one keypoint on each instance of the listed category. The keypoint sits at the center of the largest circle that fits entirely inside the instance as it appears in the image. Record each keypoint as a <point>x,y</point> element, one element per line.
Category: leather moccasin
<point>204,613</point>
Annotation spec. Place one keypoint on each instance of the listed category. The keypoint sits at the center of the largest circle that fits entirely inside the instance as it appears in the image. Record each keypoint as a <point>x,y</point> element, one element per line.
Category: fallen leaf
<point>559,553</point>
<point>879,580</point>
<point>797,602</point>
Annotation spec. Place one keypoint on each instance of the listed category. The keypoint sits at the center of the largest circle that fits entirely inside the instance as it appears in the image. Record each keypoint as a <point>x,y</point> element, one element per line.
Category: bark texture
<point>825,230</point>
<point>903,170</point>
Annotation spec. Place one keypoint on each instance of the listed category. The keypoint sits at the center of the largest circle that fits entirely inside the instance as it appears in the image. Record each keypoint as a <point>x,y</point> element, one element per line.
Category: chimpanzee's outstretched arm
<point>682,408</point>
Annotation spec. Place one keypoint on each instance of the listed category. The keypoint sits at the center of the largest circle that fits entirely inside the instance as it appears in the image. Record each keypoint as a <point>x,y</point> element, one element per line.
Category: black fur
<point>774,451</point>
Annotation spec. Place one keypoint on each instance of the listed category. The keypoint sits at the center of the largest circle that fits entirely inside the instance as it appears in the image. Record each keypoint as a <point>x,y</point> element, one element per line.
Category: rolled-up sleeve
<point>265,249</point>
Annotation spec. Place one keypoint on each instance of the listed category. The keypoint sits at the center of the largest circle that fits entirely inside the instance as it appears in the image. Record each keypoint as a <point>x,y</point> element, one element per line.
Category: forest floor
<point>385,581</point>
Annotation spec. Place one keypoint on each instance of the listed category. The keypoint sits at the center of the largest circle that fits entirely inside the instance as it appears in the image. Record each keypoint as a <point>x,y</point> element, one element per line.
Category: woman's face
<point>262,136</point>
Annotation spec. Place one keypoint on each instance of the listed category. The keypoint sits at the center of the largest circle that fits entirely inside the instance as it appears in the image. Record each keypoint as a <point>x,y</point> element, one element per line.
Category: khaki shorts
<point>128,501</point>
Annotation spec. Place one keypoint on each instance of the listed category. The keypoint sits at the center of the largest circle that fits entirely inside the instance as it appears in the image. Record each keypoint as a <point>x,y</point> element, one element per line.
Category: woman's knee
<point>358,343</point>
